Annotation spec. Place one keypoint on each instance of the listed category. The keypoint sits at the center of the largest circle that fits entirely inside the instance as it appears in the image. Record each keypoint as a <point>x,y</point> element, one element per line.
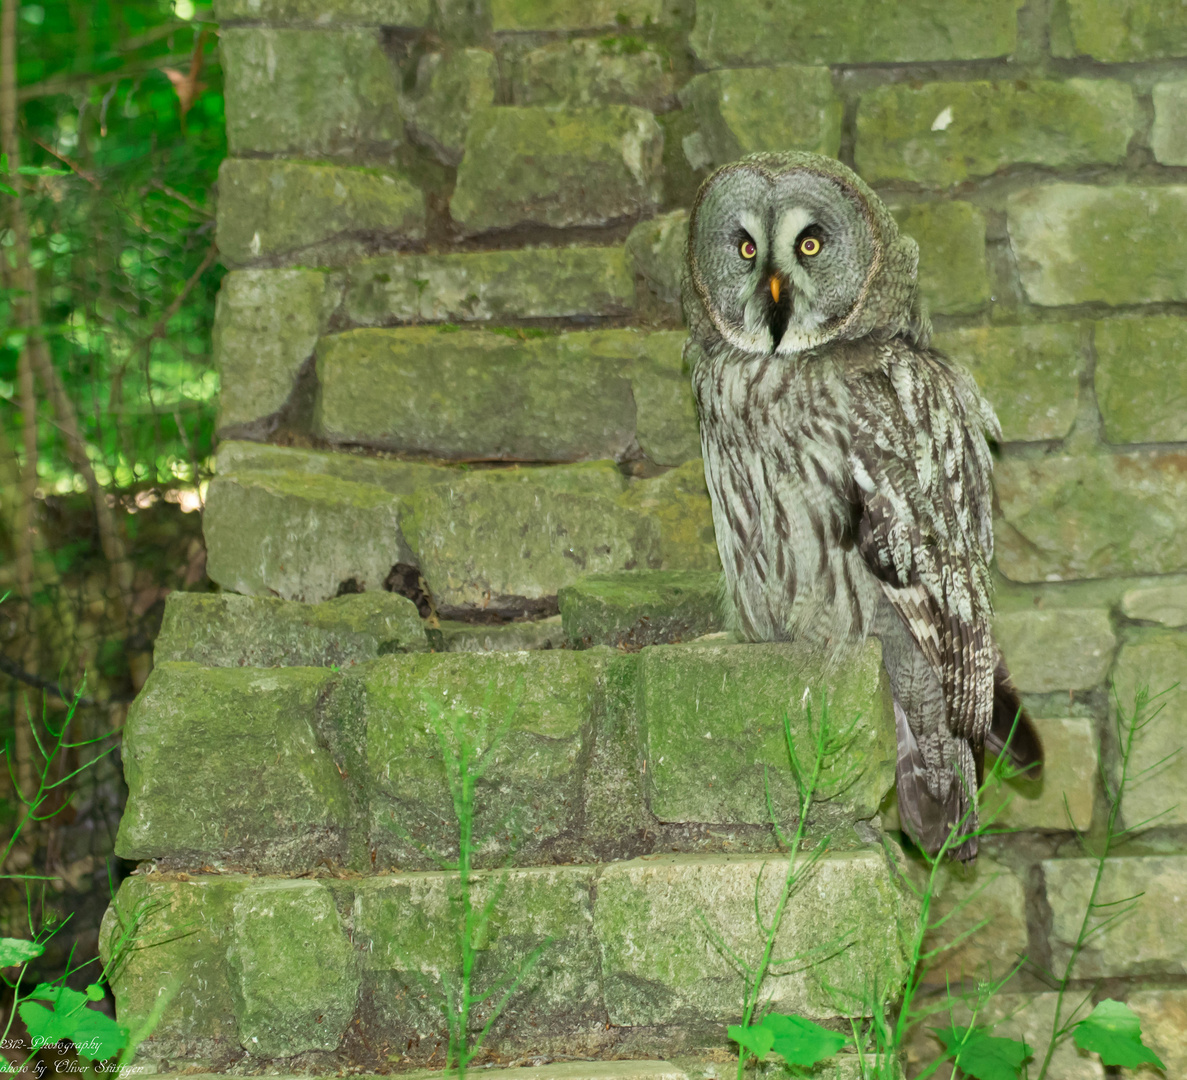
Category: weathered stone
<point>503,637</point>
<point>311,92</point>
<point>528,712</point>
<point>665,412</point>
<point>750,32</point>
<point>1154,661</point>
<point>1066,238</point>
<point>951,239</point>
<point>1122,30</point>
<point>1100,515</point>
<point>1151,939</point>
<point>248,735</point>
<point>944,133</point>
<point>1029,374</point>
<point>403,13</point>
<point>269,211</point>
<point>711,718</point>
<point>293,969</point>
<point>641,607</point>
<point>657,246</point>
<point>529,283</point>
<point>1048,649</point>
<point>1141,380</point>
<point>1163,1015</point>
<point>570,167</point>
<point>564,15</point>
<point>449,87</point>
<point>266,323</point>
<point>587,71</point>
<point>225,630</point>
<point>1168,138</point>
<point>659,964</point>
<point>1166,604</point>
<point>1068,783</point>
<point>749,110</point>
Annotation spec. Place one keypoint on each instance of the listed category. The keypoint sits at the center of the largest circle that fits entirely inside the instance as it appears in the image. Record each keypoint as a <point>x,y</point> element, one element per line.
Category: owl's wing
<point>923,514</point>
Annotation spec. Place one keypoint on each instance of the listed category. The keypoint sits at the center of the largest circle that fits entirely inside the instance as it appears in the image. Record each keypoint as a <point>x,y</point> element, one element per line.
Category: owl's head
<point>790,251</point>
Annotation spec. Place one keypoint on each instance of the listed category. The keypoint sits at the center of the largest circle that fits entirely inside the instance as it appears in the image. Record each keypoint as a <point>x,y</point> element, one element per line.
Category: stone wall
<point>449,347</point>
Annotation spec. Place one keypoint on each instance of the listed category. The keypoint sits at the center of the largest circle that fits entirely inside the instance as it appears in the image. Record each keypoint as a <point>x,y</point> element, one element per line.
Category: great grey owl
<point>848,465</point>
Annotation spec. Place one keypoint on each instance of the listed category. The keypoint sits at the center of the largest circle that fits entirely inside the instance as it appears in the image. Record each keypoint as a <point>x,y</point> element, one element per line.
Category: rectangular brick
<point>1141,380</point>
<point>1117,31</point>
<point>951,237</point>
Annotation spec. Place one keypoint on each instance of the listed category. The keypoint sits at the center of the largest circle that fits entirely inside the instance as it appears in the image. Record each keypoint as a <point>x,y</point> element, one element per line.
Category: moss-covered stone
<point>1152,940</point>
<point>665,412</point>
<point>659,964</point>
<point>530,283</point>
<point>402,13</point>
<point>570,167</point>
<point>641,607</point>
<point>1165,604</point>
<point>711,718</point>
<point>749,110</point>
<point>951,239</point>
<point>1168,138</point>
<point>1068,240</point>
<point>294,974</point>
<point>944,133</point>
<point>594,71</point>
<point>273,211</point>
<point>225,630</point>
<point>1064,649</point>
<point>1141,380</point>
<point>1155,661</point>
<point>310,92</point>
<point>679,501</point>
<point>1030,374</point>
<point>1099,515</point>
<point>657,247</point>
<point>751,32</point>
<point>266,323</point>
<point>564,15</point>
<point>529,635</point>
<point>449,87</point>
<point>249,735</point>
<point>1120,30</point>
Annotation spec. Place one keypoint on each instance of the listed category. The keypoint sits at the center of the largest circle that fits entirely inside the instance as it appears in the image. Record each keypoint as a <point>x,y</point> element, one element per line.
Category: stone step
<point>280,967</point>
<point>599,754</point>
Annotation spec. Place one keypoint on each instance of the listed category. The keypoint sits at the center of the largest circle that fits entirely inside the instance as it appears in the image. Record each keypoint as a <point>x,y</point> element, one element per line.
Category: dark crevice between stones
<point>503,609</point>
<point>406,580</point>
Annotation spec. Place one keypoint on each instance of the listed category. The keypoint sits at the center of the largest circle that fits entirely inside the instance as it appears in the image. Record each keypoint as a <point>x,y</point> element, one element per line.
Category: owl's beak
<point>776,286</point>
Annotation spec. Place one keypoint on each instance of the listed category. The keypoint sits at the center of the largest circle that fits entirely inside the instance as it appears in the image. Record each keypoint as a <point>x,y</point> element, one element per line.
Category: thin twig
<point>173,193</point>
<point>73,165</point>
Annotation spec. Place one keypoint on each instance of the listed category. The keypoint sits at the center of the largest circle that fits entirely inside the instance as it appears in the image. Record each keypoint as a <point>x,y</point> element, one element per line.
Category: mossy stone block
<point>755,32</point>
<point>273,211</point>
<point>310,92</point>
<point>594,71</point>
<point>402,13</point>
<point>247,734</point>
<point>503,637</point>
<point>1168,138</point>
<point>1066,239</point>
<point>294,971</point>
<point>711,720</point>
<point>641,607</point>
<point>1029,374</point>
<point>749,110</point>
<point>266,324</point>
<point>1165,604</point>
<point>1141,380</point>
<point>564,15</point>
<point>678,501</point>
<point>1119,31</point>
<point>526,716</point>
<point>225,630</point>
<point>485,286</point>
<point>1155,660</point>
<point>657,248</point>
<point>944,133</point>
<point>951,238</point>
<point>659,965</point>
<point>569,167</point>
<point>449,87</point>
<point>1050,649</point>
<point>1098,515</point>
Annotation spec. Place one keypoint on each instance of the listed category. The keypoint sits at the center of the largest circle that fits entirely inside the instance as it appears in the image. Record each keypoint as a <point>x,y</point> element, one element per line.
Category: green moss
<point>586,72</point>
<point>1123,30</point>
<point>1141,381</point>
<point>641,607</point>
<point>402,13</point>
<point>449,87</point>
<point>951,238</point>
<point>564,15</point>
<point>1064,649</point>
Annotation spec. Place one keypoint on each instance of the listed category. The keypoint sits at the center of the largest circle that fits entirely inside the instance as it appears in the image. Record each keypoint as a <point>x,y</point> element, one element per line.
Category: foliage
<point>1114,1031</point>
<point>981,1055</point>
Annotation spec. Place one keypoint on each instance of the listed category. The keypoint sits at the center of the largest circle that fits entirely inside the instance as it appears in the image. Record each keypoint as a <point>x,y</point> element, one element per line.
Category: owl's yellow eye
<point>747,249</point>
<point>809,246</point>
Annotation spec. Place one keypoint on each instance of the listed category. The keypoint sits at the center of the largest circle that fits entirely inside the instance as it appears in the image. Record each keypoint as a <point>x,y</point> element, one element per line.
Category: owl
<point>849,467</point>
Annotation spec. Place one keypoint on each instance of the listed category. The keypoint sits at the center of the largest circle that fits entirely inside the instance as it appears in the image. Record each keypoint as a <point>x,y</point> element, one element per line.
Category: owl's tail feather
<point>1011,730</point>
<point>927,820</point>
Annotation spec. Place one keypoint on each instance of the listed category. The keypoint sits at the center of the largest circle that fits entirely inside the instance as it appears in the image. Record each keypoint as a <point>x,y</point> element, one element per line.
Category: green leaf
<point>95,1035</point>
<point>7,190</point>
<point>799,1041</point>
<point>95,992</point>
<point>15,951</point>
<point>758,1040</point>
<point>984,1056</point>
<point>1114,1031</point>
